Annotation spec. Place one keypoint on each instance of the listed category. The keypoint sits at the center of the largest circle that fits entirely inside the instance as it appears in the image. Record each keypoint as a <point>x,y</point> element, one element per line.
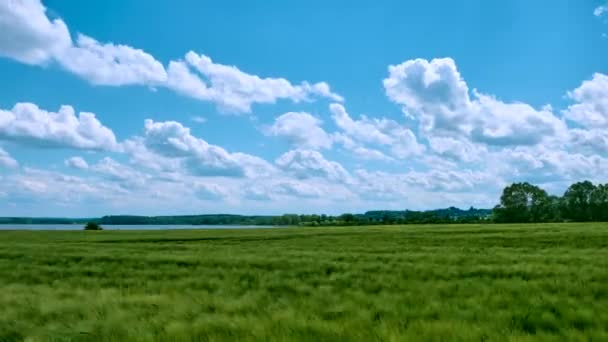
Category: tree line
<point>519,203</point>
<point>524,202</point>
<point>448,215</point>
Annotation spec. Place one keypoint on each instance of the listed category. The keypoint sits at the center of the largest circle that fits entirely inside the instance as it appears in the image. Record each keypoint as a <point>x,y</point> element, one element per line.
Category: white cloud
<point>299,189</point>
<point>542,164</point>
<point>435,94</point>
<point>142,156</point>
<point>171,140</point>
<point>199,119</point>
<point>115,171</point>
<point>365,130</point>
<point>358,150</point>
<point>52,188</point>
<point>6,160</point>
<point>600,10</point>
<point>450,180</point>
<point>301,129</point>
<point>401,141</point>
<point>209,192</point>
<point>77,163</point>
<point>234,90</point>
<point>504,124</point>
<point>307,163</point>
<point>28,35</point>
<point>25,123</point>
<point>257,192</point>
<point>461,150</point>
<point>593,141</point>
<point>426,190</point>
<point>591,109</point>
<point>110,64</point>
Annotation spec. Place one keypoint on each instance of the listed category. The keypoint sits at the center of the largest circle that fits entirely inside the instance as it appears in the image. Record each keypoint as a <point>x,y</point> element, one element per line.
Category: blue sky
<point>143,107</point>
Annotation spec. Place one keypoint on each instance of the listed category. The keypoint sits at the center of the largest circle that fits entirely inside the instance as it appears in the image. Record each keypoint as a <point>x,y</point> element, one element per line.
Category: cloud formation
<point>434,93</point>
<point>308,163</point>
<point>29,36</point>
<point>591,107</point>
<point>6,160</point>
<point>401,141</point>
<point>28,124</point>
<point>110,64</point>
<point>76,163</point>
<point>176,147</point>
<point>301,130</point>
<point>600,10</point>
<point>233,89</point>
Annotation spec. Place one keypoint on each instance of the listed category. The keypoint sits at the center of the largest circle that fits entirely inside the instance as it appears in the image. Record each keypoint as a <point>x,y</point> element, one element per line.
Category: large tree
<point>599,203</point>
<point>523,202</point>
<point>577,201</point>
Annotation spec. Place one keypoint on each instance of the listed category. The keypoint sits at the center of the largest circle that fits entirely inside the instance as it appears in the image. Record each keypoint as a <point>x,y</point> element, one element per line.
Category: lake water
<point>122,227</point>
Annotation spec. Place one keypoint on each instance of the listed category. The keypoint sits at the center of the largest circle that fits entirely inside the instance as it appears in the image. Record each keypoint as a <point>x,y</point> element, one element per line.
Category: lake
<point>123,227</point>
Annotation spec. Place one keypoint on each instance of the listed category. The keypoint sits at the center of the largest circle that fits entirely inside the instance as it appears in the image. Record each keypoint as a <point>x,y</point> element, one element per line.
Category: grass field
<point>473,282</point>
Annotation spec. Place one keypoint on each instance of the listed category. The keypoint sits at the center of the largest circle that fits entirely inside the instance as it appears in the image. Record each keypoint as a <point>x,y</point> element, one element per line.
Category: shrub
<point>92,226</point>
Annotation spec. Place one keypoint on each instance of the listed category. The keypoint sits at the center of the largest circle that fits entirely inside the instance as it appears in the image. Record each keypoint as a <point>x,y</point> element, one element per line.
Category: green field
<point>469,282</point>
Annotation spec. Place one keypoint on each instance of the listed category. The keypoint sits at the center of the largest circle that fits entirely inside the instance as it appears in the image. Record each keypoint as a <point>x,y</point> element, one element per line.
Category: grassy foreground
<point>473,282</point>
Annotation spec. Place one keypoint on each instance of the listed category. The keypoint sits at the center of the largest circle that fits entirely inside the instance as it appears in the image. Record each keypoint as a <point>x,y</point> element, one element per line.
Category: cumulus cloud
<point>434,93</point>
<point>28,35</point>
<point>301,129</point>
<point>53,188</point>
<point>28,124</point>
<point>594,141</point>
<point>399,139</point>
<point>171,140</point>
<point>461,150</point>
<point>199,77</point>
<point>257,192</point>
<point>6,160</point>
<point>299,189</point>
<point>366,130</point>
<point>77,163</point>
<point>358,150</point>
<point>600,10</point>
<point>110,64</point>
<point>548,165</point>
<point>308,163</point>
<point>449,180</point>
<point>591,107</point>
<point>123,174</point>
<point>416,187</point>
<point>209,192</point>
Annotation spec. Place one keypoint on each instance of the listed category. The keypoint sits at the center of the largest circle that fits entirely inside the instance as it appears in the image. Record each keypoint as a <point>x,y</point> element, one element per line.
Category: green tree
<point>523,202</point>
<point>554,213</point>
<point>347,218</point>
<point>599,203</point>
<point>577,201</point>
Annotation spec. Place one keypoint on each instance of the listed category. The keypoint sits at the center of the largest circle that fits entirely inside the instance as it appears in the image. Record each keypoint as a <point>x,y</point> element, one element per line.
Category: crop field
<point>449,282</point>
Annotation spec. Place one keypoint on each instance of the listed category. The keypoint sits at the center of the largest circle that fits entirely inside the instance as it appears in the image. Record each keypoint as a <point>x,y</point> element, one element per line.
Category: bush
<point>92,226</point>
